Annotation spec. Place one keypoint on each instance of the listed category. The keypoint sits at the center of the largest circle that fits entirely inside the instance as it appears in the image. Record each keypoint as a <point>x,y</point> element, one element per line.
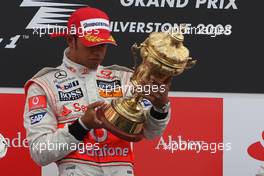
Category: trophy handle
<point>190,63</point>
<point>135,49</point>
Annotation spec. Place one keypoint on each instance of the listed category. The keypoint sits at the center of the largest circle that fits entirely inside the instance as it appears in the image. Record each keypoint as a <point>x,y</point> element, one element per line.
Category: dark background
<point>227,63</point>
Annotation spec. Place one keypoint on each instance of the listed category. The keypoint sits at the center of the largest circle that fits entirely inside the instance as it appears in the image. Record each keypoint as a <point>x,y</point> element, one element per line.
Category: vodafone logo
<point>256,150</point>
<point>35,100</point>
<point>99,135</point>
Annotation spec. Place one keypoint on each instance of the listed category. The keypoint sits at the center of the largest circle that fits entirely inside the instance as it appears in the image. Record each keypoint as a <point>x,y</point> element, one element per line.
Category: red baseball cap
<point>91,25</point>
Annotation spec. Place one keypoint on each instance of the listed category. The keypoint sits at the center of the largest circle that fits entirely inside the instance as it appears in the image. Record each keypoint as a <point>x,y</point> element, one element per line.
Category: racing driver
<point>63,105</point>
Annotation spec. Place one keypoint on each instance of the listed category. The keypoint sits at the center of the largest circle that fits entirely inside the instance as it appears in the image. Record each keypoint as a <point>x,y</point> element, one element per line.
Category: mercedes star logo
<point>60,74</point>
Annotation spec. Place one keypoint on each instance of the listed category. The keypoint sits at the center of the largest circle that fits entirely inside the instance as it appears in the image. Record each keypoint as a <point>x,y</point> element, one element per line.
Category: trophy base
<point>121,134</point>
<point>125,119</point>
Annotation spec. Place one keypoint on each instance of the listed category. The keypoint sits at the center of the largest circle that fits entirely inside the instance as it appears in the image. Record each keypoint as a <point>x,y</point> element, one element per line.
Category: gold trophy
<point>163,56</point>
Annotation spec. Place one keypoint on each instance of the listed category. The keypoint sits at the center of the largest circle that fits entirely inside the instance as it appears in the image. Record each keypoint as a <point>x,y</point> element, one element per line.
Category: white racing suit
<point>57,97</point>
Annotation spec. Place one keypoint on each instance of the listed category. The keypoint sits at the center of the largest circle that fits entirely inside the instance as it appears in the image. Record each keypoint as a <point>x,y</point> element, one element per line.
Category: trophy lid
<point>168,48</point>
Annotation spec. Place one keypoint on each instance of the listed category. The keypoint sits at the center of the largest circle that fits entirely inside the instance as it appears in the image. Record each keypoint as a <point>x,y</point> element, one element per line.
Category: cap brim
<point>90,40</point>
<point>93,40</point>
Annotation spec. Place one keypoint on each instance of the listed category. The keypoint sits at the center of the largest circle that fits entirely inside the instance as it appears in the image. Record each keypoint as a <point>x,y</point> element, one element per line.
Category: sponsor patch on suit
<point>36,118</point>
<point>109,88</point>
<point>71,95</point>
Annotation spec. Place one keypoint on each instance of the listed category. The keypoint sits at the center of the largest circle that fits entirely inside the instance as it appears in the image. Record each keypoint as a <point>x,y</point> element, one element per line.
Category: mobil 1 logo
<point>67,86</point>
<point>70,96</point>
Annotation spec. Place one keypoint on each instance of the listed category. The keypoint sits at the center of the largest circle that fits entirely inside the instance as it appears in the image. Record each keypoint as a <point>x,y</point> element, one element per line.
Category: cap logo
<point>95,23</point>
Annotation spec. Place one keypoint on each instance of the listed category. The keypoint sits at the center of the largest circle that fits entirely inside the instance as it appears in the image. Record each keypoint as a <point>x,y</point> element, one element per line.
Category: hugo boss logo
<point>70,96</point>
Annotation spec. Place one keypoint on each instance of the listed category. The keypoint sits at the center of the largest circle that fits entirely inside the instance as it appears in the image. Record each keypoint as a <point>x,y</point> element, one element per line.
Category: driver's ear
<point>72,41</point>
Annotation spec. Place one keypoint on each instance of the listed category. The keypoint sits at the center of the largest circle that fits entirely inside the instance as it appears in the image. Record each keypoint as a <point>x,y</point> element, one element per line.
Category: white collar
<point>74,67</point>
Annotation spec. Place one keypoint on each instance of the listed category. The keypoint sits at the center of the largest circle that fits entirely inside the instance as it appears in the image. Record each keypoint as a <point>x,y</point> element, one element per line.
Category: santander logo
<point>256,150</point>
